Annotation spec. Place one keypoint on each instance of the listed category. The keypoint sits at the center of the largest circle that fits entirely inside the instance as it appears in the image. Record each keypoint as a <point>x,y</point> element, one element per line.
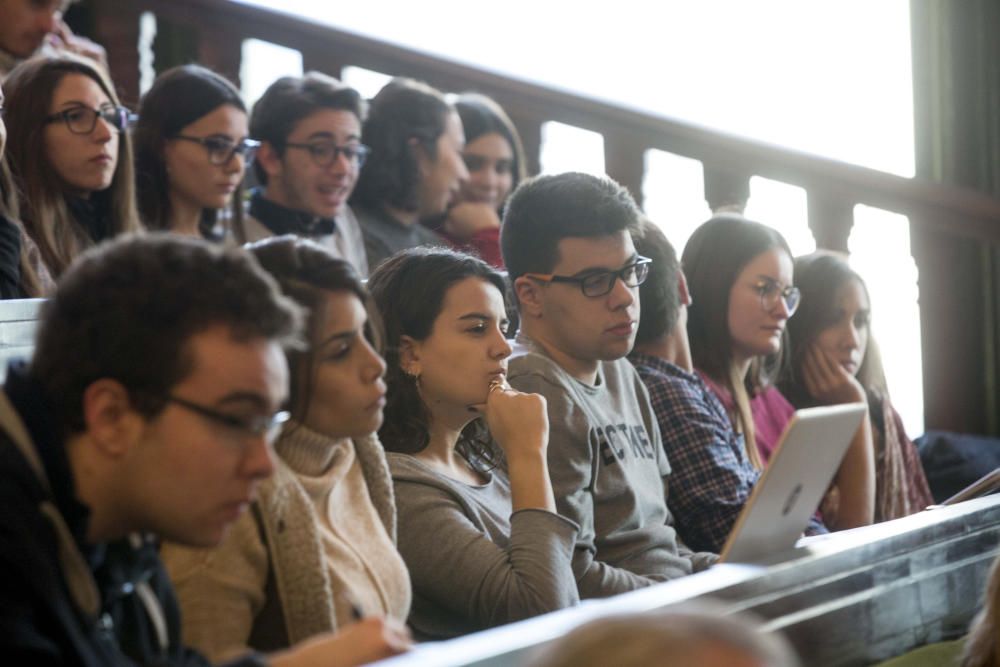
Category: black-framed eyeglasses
<point>262,425</point>
<point>83,120</point>
<point>221,150</point>
<point>771,290</point>
<point>325,153</point>
<point>602,282</point>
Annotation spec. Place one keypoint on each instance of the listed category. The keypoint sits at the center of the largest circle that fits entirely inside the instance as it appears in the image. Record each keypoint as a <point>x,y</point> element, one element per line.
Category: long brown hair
<point>307,273</point>
<point>819,276</point>
<point>179,97</point>
<point>30,87</point>
<point>713,258</point>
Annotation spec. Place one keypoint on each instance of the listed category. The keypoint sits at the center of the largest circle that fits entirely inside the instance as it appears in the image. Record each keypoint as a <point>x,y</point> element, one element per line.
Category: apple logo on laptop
<point>792,497</point>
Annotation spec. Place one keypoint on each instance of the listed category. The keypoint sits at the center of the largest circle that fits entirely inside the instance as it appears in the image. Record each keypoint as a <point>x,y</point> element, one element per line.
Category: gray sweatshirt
<point>609,474</point>
<point>472,562</point>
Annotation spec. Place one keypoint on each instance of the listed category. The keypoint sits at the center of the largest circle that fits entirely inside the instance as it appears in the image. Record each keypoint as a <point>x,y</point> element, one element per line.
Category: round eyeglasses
<point>600,283</point>
<point>771,290</point>
<point>83,120</point>
<point>222,149</point>
<point>325,153</point>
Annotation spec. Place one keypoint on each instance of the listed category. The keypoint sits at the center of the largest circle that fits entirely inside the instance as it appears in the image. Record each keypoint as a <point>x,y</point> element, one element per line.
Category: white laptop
<point>794,482</point>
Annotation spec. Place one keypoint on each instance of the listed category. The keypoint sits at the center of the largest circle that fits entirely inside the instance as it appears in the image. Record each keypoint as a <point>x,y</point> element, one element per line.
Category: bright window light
<point>569,148</point>
<point>262,63</point>
<point>673,193</point>
<point>365,81</point>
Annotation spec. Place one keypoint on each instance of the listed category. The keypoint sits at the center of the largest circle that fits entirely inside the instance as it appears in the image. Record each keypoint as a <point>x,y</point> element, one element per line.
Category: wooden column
<point>625,161</point>
<point>221,49</point>
<point>952,297</point>
<point>726,189</point>
<point>530,129</point>
<point>116,28</point>
<point>830,220</point>
<point>316,61</point>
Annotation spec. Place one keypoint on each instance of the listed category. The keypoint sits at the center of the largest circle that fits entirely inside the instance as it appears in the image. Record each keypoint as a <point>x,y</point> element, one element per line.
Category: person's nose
<point>500,346</point>
<point>374,365</point>
<point>103,131</point>
<point>852,337</point>
<point>781,310</point>
<point>259,460</point>
<point>621,295</point>
<point>236,164</point>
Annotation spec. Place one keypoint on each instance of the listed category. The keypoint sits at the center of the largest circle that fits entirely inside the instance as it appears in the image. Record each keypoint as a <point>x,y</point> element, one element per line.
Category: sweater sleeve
<point>572,465</point>
<point>221,590</point>
<point>455,565</point>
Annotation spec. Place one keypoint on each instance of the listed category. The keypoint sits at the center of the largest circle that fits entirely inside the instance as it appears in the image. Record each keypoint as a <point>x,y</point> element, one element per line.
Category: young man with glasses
<point>147,412</point>
<point>308,162</point>
<point>576,274</point>
<point>711,475</point>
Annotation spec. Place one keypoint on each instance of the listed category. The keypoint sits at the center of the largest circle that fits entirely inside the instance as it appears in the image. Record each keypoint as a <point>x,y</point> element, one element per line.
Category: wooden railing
<point>216,30</point>
<point>852,598</point>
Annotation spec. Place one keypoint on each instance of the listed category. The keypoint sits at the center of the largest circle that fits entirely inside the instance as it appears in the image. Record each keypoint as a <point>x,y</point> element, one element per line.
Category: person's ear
<point>110,421</point>
<point>409,356</point>
<point>682,289</point>
<point>529,296</point>
<point>269,159</point>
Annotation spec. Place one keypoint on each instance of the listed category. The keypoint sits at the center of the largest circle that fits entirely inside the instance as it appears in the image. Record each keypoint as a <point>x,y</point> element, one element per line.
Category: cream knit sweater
<point>269,584</point>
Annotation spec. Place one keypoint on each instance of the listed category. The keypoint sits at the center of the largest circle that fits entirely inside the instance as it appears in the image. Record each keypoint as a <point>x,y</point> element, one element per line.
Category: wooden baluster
<point>624,161</point>
<point>726,189</point>
<point>116,28</point>
<point>831,220</point>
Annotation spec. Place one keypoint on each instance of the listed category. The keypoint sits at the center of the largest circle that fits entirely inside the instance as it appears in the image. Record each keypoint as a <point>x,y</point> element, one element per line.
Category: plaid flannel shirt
<point>711,477</point>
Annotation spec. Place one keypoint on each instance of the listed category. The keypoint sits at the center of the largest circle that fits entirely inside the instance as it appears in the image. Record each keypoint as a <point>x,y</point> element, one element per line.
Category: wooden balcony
<point>940,216</point>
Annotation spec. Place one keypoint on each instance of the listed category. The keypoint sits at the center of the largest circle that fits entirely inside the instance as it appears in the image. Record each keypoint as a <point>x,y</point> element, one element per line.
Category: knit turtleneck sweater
<point>366,572</point>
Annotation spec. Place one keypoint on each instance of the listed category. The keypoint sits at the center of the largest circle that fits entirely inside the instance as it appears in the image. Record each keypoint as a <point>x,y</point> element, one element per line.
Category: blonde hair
<point>40,191</point>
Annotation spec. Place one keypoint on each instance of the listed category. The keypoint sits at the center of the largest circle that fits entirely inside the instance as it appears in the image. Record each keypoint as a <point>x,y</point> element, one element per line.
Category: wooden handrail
<point>954,210</point>
<point>943,218</point>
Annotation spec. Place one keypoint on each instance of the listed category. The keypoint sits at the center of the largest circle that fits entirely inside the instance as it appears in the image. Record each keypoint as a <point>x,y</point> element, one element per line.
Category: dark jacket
<point>64,601</point>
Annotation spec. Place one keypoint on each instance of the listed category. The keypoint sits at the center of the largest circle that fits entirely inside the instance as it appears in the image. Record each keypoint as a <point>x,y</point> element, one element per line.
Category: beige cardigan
<point>266,586</point>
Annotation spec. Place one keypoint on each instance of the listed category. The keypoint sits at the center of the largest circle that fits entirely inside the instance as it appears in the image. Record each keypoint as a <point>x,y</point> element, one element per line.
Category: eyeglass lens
<point>600,284</point>
<point>83,120</point>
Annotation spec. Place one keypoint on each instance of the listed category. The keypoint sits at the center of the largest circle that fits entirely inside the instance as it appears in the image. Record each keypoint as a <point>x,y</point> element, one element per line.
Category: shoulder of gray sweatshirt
<point>473,563</point>
<point>609,474</point>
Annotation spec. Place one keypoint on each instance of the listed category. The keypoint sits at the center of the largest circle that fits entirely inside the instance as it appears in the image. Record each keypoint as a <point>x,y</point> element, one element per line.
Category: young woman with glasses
<point>70,156</point>
<point>833,356</point>
<point>478,526</point>
<point>191,151</point>
<point>739,277</point>
<point>316,550</point>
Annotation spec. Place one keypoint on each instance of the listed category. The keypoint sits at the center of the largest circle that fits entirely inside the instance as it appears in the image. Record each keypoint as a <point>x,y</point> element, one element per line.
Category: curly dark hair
<point>409,290</point>
<point>403,111</point>
<point>126,310</point>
